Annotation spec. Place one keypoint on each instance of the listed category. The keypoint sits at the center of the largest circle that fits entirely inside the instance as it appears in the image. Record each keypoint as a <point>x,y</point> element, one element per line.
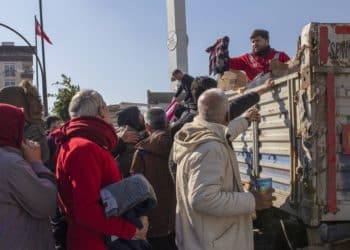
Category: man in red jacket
<point>84,166</point>
<point>259,59</point>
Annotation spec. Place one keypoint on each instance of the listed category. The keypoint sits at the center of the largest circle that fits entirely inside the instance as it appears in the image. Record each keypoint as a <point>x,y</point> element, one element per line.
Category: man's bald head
<point>213,106</point>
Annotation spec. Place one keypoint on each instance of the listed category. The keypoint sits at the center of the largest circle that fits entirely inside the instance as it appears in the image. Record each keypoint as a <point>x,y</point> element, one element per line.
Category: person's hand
<point>263,200</point>
<point>277,65</point>
<point>268,85</point>
<point>252,115</point>
<point>141,234</point>
<point>274,62</point>
<point>129,136</point>
<point>265,87</point>
<point>31,151</point>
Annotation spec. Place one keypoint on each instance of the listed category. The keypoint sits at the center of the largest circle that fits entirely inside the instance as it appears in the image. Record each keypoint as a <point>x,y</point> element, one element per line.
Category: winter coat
<point>151,160</point>
<point>129,117</point>
<point>27,199</point>
<point>213,211</point>
<point>124,158</point>
<point>186,83</point>
<point>27,190</point>
<point>84,167</point>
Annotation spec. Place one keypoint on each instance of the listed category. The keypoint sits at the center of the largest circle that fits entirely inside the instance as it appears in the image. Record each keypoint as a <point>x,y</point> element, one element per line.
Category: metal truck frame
<point>303,140</point>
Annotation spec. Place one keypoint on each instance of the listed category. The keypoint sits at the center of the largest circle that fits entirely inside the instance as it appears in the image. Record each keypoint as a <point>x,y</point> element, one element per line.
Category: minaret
<point>177,41</point>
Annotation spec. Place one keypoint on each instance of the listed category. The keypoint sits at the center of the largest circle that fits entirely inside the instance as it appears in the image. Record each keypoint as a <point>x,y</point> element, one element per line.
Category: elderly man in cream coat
<point>213,211</point>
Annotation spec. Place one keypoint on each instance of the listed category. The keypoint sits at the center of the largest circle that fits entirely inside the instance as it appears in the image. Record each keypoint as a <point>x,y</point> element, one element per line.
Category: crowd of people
<point>51,180</point>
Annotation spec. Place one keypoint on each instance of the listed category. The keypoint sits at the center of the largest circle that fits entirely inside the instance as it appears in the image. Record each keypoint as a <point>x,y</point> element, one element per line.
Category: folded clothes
<point>132,197</point>
<point>219,56</point>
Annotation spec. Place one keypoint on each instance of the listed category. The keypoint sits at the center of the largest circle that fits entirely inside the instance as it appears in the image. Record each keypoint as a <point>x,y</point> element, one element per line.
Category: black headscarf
<point>130,116</point>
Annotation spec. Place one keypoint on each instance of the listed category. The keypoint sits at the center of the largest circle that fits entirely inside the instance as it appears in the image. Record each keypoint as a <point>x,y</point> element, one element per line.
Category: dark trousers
<point>163,243</point>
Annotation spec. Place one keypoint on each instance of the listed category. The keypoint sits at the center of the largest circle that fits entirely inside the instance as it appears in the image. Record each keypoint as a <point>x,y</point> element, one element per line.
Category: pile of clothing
<point>130,198</point>
<point>218,56</point>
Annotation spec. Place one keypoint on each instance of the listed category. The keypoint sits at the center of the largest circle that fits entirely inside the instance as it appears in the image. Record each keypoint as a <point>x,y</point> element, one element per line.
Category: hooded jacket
<point>27,190</point>
<point>212,210</point>
<point>84,167</point>
<point>151,160</point>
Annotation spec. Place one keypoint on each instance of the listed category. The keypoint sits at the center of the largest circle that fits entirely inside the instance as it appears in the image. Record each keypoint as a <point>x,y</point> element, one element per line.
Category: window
<point>10,83</point>
<point>10,70</point>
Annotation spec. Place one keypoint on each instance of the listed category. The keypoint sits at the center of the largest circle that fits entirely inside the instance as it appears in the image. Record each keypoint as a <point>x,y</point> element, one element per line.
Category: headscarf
<point>130,116</point>
<point>11,125</point>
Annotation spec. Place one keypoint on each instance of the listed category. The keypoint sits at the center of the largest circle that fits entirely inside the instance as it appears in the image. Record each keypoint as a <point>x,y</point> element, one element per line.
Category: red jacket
<point>84,166</point>
<point>252,64</point>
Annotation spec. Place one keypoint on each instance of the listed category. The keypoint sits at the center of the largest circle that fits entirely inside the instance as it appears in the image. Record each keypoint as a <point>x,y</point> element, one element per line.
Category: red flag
<point>40,32</point>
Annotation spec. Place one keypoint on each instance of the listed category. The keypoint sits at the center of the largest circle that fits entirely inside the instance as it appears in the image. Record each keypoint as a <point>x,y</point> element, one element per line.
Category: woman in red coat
<point>84,166</point>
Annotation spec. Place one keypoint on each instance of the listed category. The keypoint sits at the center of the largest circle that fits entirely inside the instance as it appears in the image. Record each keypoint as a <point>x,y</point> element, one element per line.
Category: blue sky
<point>119,47</point>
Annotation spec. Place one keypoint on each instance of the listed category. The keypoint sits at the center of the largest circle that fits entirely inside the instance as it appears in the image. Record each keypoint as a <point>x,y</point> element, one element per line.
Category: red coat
<point>84,166</point>
<point>252,64</point>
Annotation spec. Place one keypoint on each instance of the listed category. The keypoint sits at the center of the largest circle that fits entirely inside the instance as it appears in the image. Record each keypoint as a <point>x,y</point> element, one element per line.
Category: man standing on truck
<point>262,55</point>
<point>186,82</point>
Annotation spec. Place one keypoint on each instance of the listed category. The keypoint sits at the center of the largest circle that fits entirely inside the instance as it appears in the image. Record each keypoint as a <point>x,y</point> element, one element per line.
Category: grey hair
<point>86,103</point>
<point>213,105</point>
<point>156,118</point>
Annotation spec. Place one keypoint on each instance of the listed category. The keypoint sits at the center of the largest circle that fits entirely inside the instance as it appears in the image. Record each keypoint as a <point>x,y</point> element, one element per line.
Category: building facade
<point>159,99</point>
<point>16,64</point>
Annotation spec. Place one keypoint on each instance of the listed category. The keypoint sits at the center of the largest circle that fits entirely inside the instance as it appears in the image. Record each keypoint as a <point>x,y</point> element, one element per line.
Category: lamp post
<point>44,94</point>
<point>43,71</point>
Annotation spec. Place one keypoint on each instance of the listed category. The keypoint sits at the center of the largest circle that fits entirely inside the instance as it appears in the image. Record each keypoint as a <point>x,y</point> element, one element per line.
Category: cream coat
<point>213,211</point>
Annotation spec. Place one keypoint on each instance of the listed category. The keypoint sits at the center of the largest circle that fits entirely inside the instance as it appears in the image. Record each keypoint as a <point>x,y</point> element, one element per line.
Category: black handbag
<point>121,244</point>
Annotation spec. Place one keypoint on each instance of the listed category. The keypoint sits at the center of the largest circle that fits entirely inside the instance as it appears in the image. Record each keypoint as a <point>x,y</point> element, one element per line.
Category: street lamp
<point>44,88</point>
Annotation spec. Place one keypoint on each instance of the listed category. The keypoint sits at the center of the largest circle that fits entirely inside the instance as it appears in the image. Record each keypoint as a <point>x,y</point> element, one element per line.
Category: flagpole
<point>44,87</point>
<point>36,60</point>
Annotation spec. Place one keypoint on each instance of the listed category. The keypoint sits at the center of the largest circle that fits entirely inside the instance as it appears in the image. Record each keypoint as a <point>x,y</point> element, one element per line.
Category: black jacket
<point>238,106</point>
<point>186,83</point>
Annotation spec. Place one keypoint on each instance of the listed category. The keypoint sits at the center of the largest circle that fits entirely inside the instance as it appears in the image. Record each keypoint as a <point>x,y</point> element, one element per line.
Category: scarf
<point>11,126</point>
<point>90,128</point>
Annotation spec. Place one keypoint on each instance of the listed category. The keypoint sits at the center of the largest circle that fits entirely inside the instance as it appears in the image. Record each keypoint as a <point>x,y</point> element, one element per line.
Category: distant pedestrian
<point>130,120</point>
<point>52,122</point>
<point>151,160</point>
<point>26,96</point>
